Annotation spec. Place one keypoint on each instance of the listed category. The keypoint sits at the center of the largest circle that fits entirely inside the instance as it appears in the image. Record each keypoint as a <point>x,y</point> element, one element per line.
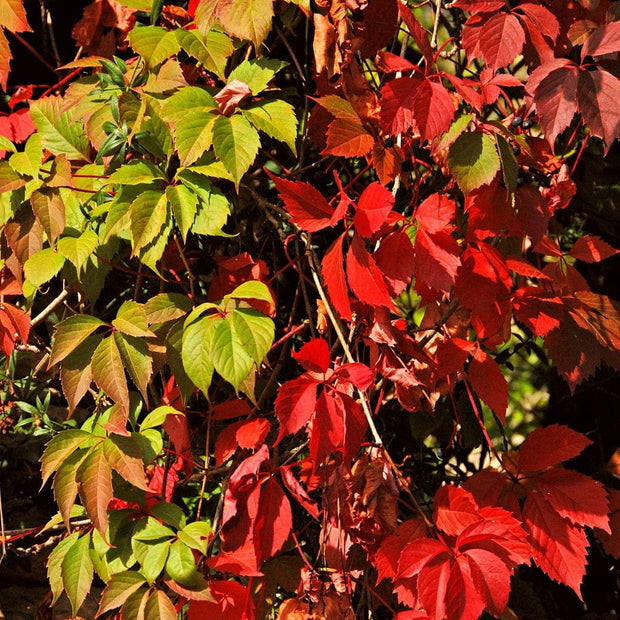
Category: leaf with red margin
<point>314,355</point>
<point>295,404</point>
<point>365,278</point>
<point>598,94</point>
<point>395,258</point>
<point>497,38</point>
<point>549,446</point>
<point>305,204</point>
<point>433,109</point>
<point>372,209</point>
<point>559,547</point>
<point>592,249</point>
<point>333,275</point>
<point>437,259</point>
<point>554,88</point>
<point>489,383</point>
<point>435,213</point>
<point>274,521</point>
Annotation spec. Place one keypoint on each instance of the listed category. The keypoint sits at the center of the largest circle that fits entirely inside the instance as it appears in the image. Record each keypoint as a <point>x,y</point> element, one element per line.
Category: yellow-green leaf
<point>49,209</point>
<point>148,213</point>
<point>70,333</point>
<point>136,360</point>
<point>77,572</point>
<point>108,372</point>
<point>120,587</point>
<point>95,478</point>
<point>124,456</point>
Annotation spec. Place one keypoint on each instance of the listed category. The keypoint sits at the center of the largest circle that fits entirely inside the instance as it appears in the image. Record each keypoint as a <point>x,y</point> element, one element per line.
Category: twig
<point>49,309</point>
<point>436,24</point>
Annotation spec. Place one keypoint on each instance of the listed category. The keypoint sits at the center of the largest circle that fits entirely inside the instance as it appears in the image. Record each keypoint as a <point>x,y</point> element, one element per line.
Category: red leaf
<point>611,542</point>
<point>578,498</point>
<point>356,373</point>
<point>233,602</point>
<point>418,553</point>
<point>19,319</point>
<point>226,443</point>
<point>248,435</point>
<point>433,109</point>
<point>455,509</point>
<point>306,205</point>
<point>391,63</point>
<point>372,209</point>
<point>274,522</point>
<point>604,40</point>
<point>386,558</point>
<point>333,274</point>
<point>542,19</point>
<point>540,314</point>
<point>476,6</point>
<point>397,102</point>
<point>435,213</point>
<point>231,409</point>
<point>395,259</point>
<point>176,427</point>
<point>314,355</point>
<point>437,259</point>
<point>229,98</point>
<point>418,34</point>
<point>295,405</point>
<point>592,249</point>
<point>241,561</point>
<point>491,579</point>
<point>559,547</point>
<point>298,492</point>
<point>347,138</point>
<point>598,93</point>
<point>328,428</point>
<point>549,446</point>
<point>378,26</point>
<point>489,383</point>
<point>497,38</point>
<point>554,88</point>
<point>365,278</point>
<point>490,211</point>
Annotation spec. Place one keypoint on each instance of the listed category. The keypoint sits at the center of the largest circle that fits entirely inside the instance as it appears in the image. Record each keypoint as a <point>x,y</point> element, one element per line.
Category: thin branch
<point>50,308</point>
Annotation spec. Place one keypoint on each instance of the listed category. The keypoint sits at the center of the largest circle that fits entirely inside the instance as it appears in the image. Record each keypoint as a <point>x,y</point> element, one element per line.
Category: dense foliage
<point>299,272</point>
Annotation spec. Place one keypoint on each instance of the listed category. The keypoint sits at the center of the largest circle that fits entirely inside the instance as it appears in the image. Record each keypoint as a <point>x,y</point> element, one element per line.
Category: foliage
<point>218,206</point>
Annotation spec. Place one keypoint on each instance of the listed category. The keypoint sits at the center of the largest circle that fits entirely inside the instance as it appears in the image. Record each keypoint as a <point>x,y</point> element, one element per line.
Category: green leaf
<point>246,19</point>
<point>59,449</point>
<point>158,416</point>
<point>78,249</point>
<point>131,319</point>
<point>150,530</point>
<point>65,483</point>
<point>148,213</point>
<point>236,143</point>
<point>510,169</point>
<point>212,214</point>
<point>186,99</point>
<point>77,572</point>
<point>256,73</point>
<point>59,134</point>
<point>208,166</point>
<point>211,49</point>
<point>124,457</point>
<point>108,372</point>
<point>159,607</point>
<point>193,134</point>
<point>174,348</point>
<point>166,307</point>
<point>70,333</point>
<point>134,606</point>
<point>169,513</point>
<point>49,210</point>
<point>196,535</point>
<point>136,172</point>
<point>473,160</point>
<point>180,564</point>
<point>197,338</point>
<point>228,354</point>
<point>136,360</point>
<point>254,329</point>
<point>276,118</point>
<point>154,44</point>
<point>120,587</point>
<point>151,556</point>
<point>7,145</point>
<point>184,203</point>
<point>29,161</point>
<point>42,266</point>
<point>150,254</point>
<point>252,289</point>
<point>76,374</point>
<point>95,478</point>
<point>139,5</point>
<point>54,565</point>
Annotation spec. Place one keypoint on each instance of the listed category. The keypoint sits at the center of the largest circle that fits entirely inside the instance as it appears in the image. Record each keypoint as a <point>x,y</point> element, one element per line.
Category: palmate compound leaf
<point>154,44</point>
